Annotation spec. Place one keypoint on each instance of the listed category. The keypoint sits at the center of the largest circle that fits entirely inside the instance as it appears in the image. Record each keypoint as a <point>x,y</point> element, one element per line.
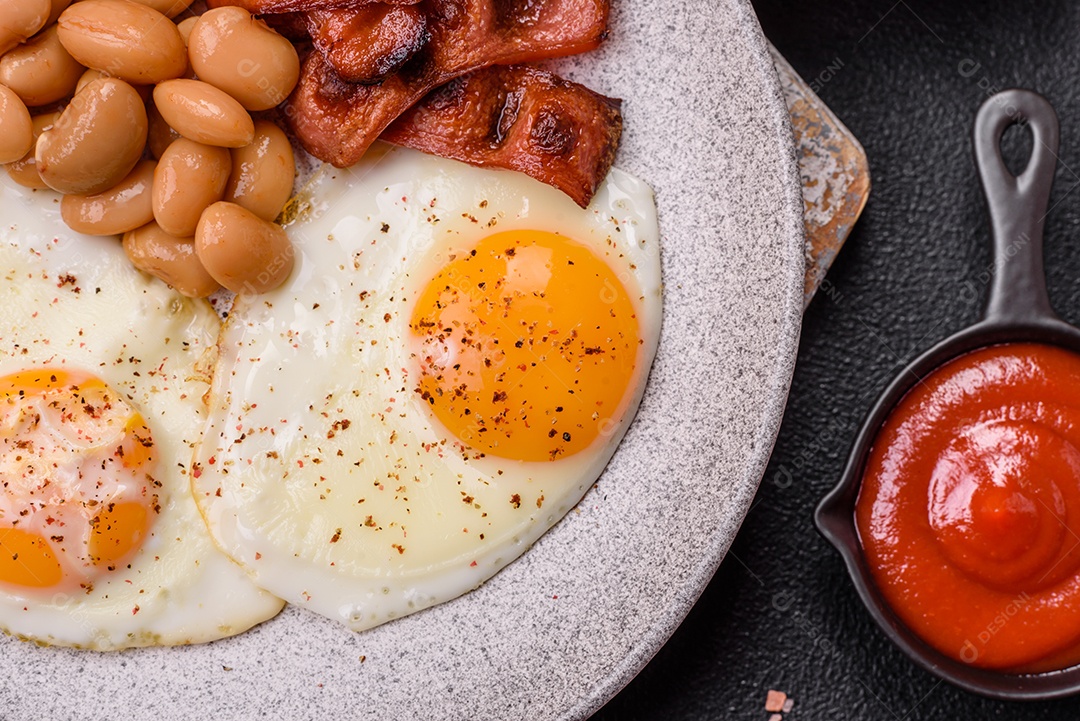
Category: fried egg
<point>102,375</point>
<point>445,374</point>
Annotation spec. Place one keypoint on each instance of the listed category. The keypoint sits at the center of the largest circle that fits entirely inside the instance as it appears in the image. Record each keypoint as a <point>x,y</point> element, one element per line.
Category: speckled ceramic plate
<point>561,630</point>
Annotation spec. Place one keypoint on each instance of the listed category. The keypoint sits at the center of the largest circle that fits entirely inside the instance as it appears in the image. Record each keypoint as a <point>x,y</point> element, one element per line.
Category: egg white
<point>321,470</point>
<point>74,301</point>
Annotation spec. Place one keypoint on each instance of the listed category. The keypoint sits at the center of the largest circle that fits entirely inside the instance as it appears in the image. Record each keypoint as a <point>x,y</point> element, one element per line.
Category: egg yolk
<point>76,466</point>
<point>526,346</point>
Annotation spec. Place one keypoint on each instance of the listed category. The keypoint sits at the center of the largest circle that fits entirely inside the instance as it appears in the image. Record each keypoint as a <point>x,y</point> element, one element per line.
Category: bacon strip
<point>291,25</point>
<point>262,7</point>
<point>520,118</point>
<point>363,44</point>
<point>337,121</point>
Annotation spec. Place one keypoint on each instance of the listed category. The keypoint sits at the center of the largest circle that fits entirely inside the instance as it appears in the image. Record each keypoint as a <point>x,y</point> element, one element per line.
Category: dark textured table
<point>907,77</point>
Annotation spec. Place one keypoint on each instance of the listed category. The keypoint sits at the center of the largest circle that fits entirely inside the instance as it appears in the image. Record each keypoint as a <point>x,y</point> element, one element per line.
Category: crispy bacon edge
<point>337,121</point>
<point>269,7</point>
<point>364,44</point>
<point>292,25</point>
<point>520,118</point>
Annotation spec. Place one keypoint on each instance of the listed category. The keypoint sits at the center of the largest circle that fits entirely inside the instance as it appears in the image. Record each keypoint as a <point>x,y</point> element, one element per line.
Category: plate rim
<point>785,217</point>
<point>789,210</point>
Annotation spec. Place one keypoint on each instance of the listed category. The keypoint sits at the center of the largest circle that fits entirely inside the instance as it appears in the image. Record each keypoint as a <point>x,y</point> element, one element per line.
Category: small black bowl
<point>1018,310</point>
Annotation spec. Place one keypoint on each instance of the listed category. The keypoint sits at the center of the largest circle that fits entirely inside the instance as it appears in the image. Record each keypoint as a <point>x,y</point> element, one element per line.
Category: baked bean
<point>16,127</point>
<point>129,41</point>
<point>41,71</point>
<point>89,76</point>
<point>161,133</point>
<point>203,113</point>
<point>263,172</point>
<point>241,55</point>
<point>20,19</point>
<point>189,177</point>
<point>96,141</point>
<point>242,252</point>
<point>24,171</point>
<point>169,258</point>
<point>55,9</point>
<point>185,26</point>
<point>168,8</point>
<point>123,207</point>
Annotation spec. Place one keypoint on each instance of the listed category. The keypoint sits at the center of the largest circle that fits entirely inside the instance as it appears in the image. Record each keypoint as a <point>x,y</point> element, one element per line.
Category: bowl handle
<point>1017,203</point>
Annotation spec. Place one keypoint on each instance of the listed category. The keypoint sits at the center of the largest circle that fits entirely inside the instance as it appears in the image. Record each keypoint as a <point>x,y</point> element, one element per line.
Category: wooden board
<point>834,170</point>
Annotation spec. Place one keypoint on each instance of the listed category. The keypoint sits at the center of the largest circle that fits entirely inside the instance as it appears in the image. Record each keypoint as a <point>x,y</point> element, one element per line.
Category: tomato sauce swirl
<point>969,510</point>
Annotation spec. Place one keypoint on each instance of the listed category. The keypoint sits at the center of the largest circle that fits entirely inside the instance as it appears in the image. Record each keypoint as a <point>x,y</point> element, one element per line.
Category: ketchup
<point>969,510</point>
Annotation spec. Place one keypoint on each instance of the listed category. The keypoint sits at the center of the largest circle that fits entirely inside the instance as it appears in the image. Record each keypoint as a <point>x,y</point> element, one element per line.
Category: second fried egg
<point>102,375</point>
<point>445,374</point>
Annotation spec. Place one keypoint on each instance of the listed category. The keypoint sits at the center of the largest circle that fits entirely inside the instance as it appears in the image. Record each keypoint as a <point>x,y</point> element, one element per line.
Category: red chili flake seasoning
<point>66,280</point>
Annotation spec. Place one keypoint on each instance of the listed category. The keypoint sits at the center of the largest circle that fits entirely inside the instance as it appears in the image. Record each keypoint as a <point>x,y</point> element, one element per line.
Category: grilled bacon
<point>337,121</point>
<point>363,44</point>
<point>263,7</point>
<point>520,118</point>
<point>291,25</point>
